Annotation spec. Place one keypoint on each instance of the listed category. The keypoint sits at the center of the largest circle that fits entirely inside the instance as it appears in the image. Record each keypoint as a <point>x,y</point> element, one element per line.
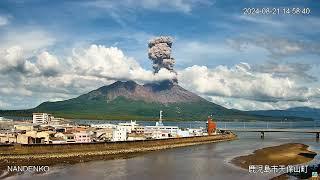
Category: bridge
<point>265,127</point>
<point>263,131</point>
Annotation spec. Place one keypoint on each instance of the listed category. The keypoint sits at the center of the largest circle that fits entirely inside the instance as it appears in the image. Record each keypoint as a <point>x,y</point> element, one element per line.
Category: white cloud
<point>184,6</point>
<point>277,47</point>
<point>260,20</point>
<point>125,11</point>
<point>31,41</point>
<point>240,103</point>
<point>18,50</point>
<point>297,71</point>
<point>11,58</point>
<point>4,20</point>
<point>47,61</point>
<point>43,76</point>
<point>247,104</point>
<point>48,64</point>
<point>213,52</point>
<point>241,81</point>
<point>15,91</point>
<point>111,63</point>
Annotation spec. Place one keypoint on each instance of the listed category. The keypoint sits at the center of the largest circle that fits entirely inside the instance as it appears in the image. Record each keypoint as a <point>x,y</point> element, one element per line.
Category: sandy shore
<point>285,154</point>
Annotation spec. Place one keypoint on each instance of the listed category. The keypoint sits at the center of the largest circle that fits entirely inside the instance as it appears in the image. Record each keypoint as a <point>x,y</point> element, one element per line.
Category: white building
<point>119,134</point>
<point>169,129</point>
<point>104,125</point>
<point>135,137</point>
<point>104,134</point>
<point>183,133</point>
<point>196,132</point>
<point>82,137</point>
<point>130,126</point>
<point>41,118</point>
<point>161,132</point>
<point>56,121</point>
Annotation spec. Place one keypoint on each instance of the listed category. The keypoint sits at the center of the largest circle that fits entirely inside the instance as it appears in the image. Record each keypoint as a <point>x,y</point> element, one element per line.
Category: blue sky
<point>214,38</point>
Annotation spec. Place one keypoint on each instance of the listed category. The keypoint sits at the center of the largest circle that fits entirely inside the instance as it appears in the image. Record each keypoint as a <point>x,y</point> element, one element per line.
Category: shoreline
<point>119,151</point>
<point>152,118</point>
<point>284,154</point>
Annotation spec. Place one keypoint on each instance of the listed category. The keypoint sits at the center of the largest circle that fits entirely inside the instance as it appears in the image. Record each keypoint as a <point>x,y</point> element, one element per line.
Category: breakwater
<point>50,154</point>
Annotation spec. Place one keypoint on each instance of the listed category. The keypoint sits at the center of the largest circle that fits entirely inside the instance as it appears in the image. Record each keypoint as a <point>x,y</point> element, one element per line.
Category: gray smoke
<point>160,54</point>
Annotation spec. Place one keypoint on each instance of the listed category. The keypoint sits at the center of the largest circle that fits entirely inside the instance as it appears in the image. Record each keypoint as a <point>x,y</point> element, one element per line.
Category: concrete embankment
<point>50,154</point>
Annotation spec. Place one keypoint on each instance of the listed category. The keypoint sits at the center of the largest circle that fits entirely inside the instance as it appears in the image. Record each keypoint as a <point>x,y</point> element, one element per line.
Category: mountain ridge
<point>131,101</point>
<point>162,92</point>
<point>306,112</point>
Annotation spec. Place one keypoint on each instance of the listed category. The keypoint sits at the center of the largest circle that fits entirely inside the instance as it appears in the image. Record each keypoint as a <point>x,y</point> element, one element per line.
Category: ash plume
<point>160,54</point>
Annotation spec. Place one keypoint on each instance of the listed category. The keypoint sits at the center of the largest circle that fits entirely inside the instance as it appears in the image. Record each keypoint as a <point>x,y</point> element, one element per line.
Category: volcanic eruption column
<point>160,54</point>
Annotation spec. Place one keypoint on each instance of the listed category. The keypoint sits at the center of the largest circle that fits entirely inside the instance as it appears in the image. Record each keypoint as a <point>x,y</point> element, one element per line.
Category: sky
<point>56,50</point>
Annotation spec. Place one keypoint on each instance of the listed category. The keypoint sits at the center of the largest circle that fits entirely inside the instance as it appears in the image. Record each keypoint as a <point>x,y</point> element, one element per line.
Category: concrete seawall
<point>50,154</point>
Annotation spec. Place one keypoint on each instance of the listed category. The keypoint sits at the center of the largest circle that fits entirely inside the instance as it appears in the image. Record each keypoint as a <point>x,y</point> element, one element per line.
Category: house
<point>8,137</point>
<point>46,135</point>
<point>60,129</point>
<point>82,137</point>
<point>26,127</point>
<point>138,130</point>
<point>69,129</point>
<point>183,133</point>
<point>6,125</point>
<point>68,137</point>
<point>161,131</point>
<point>197,132</point>
<point>158,134</point>
<point>103,125</point>
<point>57,140</point>
<point>46,128</point>
<point>30,137</point>
<point>119,134</point>
<point>135,137</point>
<point>56,121</point>
<point>24,139</point>
<point>104,134</point>
<point>34,137</point>
<point>80,128</point>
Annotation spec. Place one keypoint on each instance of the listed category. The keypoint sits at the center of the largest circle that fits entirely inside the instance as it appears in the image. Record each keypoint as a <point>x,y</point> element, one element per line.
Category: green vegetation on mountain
<point>124,109</point>
<point>128,100</point>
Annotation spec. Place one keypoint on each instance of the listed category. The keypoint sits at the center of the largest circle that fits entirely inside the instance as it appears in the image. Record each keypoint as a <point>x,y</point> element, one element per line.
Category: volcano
<point>164,92</point>
<point>128,100</point>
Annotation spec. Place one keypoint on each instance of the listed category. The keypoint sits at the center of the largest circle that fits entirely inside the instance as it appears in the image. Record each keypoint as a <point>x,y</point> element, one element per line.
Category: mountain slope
<point>305,112</point>
<point>164,92</point>
<point>129,100</point>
